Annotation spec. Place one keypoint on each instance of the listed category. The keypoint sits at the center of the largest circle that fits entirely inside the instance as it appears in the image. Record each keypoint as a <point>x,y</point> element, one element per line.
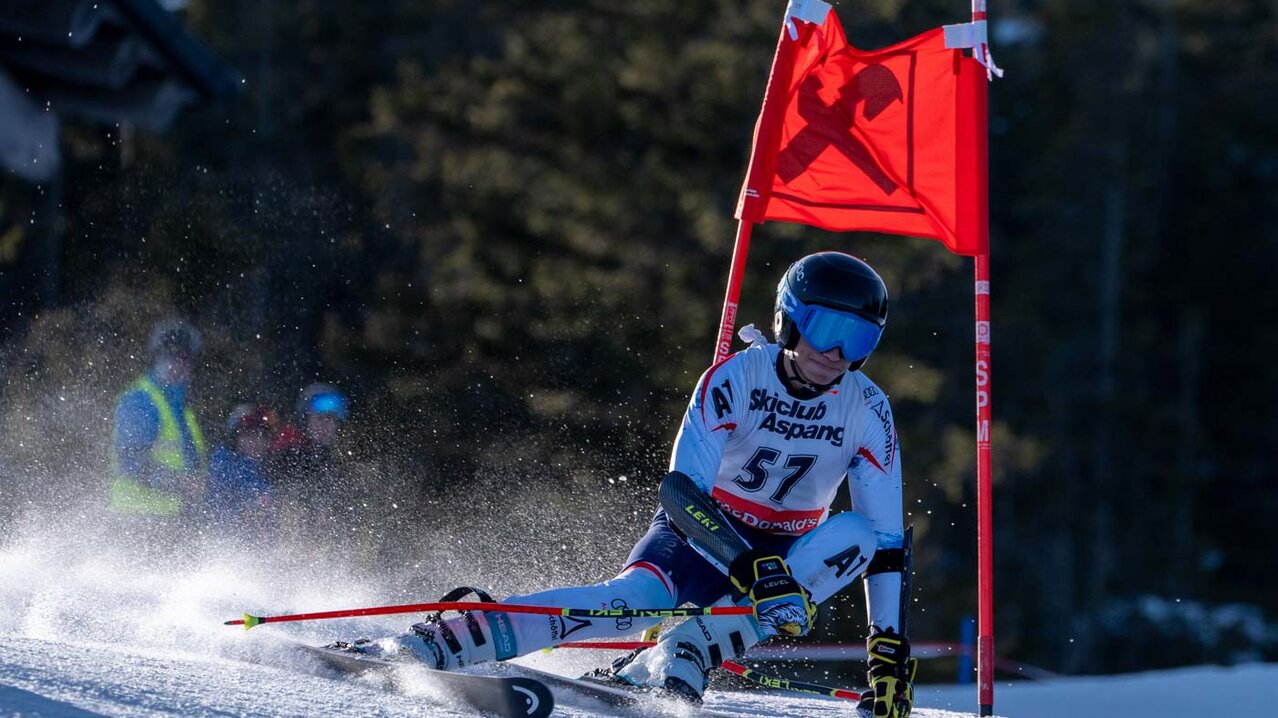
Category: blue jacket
<point>137,426</point>
<point>240,499</point>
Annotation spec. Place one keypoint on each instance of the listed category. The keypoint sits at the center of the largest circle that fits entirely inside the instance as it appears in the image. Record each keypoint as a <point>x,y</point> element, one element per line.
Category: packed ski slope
<point>85,631</point>
<point>75,679</point>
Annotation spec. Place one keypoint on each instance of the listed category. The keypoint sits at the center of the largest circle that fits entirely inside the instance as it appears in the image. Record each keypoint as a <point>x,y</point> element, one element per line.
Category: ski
<point>508,696</point>
<point>617,695</point>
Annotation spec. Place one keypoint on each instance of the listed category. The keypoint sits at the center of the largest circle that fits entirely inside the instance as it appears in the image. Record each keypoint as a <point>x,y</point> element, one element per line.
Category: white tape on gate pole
<point>813,11</point>
<point>965,36</point>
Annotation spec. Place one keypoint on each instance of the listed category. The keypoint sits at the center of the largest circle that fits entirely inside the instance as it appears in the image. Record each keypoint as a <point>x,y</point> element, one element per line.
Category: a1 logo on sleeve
<point>721,397</point>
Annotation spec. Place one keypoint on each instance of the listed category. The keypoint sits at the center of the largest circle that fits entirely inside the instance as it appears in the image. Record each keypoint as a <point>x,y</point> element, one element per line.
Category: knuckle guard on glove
<point>781,605</point>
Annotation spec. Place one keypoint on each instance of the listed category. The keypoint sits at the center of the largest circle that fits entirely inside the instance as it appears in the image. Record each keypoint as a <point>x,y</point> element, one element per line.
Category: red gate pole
<point>984,462</point>
<point>728,320</point>
<point>757,174</point>
<point>984,492</point>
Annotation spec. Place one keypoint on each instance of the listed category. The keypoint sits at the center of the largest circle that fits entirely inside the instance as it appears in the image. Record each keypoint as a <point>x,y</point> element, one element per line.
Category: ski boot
<point>447,645</point>
<point>685,679</point>
<point>444,645</point>
<point>679,665</point>
<point>674,687</point>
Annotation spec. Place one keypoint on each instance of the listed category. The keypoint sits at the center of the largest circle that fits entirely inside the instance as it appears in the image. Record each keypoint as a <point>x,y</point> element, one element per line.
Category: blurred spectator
<point>334,499</point>
<point>306,454</point>
<point>159,460</point>
<point>309,471</point>
<point>241,502</point>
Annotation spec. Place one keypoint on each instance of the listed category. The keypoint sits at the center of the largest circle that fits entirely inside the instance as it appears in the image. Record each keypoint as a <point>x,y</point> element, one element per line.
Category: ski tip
<point>250,621</point>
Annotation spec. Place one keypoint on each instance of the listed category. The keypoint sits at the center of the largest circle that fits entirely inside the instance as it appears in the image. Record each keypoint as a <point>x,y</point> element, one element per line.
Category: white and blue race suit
<point>774,462</point>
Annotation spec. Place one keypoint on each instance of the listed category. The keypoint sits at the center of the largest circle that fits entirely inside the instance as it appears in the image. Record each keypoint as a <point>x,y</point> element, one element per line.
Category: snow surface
<point>71,679</point>
<point>86,630</point>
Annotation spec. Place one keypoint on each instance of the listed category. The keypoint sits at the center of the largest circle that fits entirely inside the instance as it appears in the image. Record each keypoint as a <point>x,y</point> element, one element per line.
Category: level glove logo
<point>781,605</point>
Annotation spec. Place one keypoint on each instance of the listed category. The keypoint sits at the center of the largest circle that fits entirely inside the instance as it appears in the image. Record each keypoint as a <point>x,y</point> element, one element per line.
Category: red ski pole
<point>249,620</point>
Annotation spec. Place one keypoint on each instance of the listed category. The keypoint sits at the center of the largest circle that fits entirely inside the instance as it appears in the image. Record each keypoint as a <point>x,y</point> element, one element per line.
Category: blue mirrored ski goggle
<point>826,328</point>
<point>329,404</point>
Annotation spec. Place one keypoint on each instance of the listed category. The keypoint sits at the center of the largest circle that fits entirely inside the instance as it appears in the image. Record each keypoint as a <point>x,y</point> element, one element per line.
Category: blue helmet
<point>320,398</point>
<point>832,300</point>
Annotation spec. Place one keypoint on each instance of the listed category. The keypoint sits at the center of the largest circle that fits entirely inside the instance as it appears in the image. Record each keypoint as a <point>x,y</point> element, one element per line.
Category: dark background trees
<point>505,228</point>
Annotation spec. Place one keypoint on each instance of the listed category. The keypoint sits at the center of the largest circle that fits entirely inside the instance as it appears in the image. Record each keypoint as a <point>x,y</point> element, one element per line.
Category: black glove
<point>891,676</point>
<point>781,605</point>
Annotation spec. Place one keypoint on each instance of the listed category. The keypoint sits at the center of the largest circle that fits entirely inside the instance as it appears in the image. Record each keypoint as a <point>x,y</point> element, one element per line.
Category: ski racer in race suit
<point>770,433</point>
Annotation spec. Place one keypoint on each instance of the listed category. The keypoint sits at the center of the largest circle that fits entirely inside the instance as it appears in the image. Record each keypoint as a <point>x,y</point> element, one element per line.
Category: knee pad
<point>639,585</point>
<point>826,559</point>
<point>646,584</point>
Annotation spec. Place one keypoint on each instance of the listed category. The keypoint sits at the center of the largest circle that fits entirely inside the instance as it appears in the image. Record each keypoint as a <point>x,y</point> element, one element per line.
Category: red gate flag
<point>890,141</point>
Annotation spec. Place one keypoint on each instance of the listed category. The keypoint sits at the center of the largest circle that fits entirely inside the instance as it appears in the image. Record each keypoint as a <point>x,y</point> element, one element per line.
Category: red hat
<point>251,416</point>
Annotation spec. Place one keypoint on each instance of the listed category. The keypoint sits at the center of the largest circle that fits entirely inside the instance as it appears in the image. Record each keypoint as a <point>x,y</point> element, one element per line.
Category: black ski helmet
<point>834,280</point>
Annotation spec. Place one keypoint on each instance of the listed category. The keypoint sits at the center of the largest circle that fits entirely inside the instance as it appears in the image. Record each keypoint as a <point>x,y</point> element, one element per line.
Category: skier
<point>769,434</point>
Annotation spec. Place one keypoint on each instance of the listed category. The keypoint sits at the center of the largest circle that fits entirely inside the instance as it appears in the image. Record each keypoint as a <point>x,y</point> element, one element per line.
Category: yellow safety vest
<point>131,496</point>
